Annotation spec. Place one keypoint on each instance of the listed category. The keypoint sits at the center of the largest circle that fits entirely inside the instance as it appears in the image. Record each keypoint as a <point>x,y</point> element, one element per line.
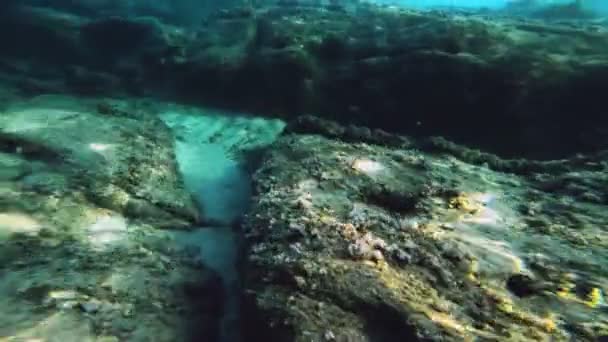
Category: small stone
<point>128,310</point>
<point>107,339</point>
<point>441,306</point>
<point>523,285</point>
<point>409,224</point>
<point>90,306</point>
<point>377,255</point>
<point>296,248</point>
<point>329,336</point>
<point>402,256</point>
<point>300,281</point>
<point>70,304</point>
<point>63,295</point>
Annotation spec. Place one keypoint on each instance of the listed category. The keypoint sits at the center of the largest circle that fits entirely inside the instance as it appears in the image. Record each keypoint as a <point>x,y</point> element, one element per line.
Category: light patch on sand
<point>107,231</point>
<point>485,216</point>
<point>35,118</point>
<point>483,197</point>
<point>485,232</point>
<point>308,185</point>
<point>368,166</point>
<point>480,208</point>
<point>62,326</point>
<point>18,223</point>
<point>494,256</point>
<point>99,147</point>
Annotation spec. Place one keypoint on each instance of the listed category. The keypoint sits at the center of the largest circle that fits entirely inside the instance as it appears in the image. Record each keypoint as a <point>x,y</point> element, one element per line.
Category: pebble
<point>377,255</point>
<point>70,304</point>
<point>63,295</point>
<point>329,336</point>
<point>403,256</point>
<point>300,281</point>
<point>128,310</point>
<point>523,285</point>
<point>90,306</point>
<point>107,339</point>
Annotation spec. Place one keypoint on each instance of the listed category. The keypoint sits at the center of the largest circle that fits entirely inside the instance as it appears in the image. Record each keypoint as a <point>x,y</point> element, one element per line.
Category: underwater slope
<point>375,238</point>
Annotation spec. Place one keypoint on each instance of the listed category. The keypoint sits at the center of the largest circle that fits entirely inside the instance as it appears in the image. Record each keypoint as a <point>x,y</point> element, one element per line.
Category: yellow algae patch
<point>546,324</point>
<point>414,294</point>
<point>504,304</point>
<point>473,208</point>
<point>448,322</point>
<point>406,287</point>
<point>564,289</point>
<point>465,203</point>
<point>473,271</point>
<point>594,298</point>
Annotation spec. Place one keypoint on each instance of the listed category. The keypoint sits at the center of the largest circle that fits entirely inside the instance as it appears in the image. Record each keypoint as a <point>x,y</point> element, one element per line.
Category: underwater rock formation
<point>513,86</point>
<point>85,186</point>
<point>393,241</point>
<point>121,220</point>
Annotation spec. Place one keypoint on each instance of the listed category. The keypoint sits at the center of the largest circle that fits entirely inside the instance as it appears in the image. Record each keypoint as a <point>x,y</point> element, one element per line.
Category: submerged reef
<point>515,86</point>
<point>416,175</point>
<point>85,186</point>
<point>393,240</point>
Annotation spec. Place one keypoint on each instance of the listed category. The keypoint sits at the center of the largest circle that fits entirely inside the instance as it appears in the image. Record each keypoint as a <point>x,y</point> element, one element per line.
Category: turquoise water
<point>207,146</point>
<point>594,7</point>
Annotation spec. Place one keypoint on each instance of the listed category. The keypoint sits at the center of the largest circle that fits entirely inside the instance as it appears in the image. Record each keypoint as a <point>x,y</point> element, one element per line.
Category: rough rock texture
<point>84,188</point>
<point>385,240</point>
<point>514,86</point>
<point>85,150</point>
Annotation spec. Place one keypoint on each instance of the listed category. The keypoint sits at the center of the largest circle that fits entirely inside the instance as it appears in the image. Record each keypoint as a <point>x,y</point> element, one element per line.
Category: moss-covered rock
<point>366,241</point>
